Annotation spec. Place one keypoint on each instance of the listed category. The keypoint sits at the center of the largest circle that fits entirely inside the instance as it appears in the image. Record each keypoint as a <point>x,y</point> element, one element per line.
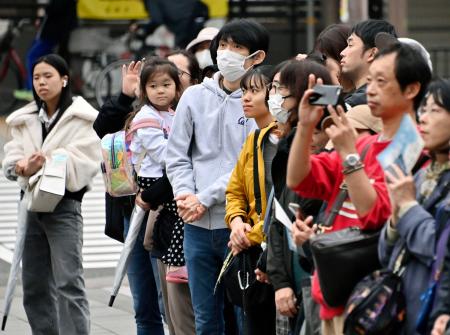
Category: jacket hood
<point>79,108</point>
<point>213,84</point>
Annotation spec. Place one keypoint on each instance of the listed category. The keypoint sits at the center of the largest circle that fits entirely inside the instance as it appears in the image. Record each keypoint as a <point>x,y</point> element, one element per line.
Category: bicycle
<point>109,81</point>
<point>13,74</point>
<point>91,49</point>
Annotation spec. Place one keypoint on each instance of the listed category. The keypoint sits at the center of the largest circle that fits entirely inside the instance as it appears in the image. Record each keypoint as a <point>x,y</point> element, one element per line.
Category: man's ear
<point>372,53</point>
<point>412,90</point>
<point>259,57</point>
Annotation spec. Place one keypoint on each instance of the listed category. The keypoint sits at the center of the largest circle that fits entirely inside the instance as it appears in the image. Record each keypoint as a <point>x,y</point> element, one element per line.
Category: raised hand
<point>341,132</point>
<point>309,115</point>
<point>130,78</point>
<point>401,187</point>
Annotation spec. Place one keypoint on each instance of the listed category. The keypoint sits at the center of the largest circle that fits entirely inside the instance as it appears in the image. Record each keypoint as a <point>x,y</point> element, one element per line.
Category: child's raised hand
<point>130,78</point>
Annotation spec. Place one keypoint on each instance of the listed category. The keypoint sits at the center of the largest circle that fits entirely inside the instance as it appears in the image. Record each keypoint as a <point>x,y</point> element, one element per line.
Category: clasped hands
<point>27,167</point>
<point>189,207</point>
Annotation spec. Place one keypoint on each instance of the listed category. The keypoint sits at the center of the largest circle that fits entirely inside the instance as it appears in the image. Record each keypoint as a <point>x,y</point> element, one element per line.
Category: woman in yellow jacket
<point>241,216</point>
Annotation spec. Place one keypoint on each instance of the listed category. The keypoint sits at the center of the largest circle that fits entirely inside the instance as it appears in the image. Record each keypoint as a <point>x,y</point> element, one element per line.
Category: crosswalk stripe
<point>99,251</point>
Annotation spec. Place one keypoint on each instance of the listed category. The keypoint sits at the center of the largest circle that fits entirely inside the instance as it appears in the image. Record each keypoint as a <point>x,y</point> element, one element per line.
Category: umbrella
<point>17,257</point>
<point>135,225</point>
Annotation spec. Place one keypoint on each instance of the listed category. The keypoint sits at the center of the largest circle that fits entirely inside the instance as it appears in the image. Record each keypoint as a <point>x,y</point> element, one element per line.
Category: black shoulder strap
<point>342,195</point>
<point>256,185</point>
<point>269,209</point>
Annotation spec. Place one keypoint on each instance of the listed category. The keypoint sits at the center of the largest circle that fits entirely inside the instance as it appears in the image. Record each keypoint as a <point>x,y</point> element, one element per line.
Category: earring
<point>64,83</point>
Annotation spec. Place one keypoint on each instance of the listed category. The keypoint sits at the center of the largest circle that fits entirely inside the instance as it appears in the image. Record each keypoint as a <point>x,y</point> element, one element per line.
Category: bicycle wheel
<point>10,81</point>
<point>109,81</point>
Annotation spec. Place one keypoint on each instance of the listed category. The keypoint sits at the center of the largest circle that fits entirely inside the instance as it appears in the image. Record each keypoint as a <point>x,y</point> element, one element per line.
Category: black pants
<point>260,319</point>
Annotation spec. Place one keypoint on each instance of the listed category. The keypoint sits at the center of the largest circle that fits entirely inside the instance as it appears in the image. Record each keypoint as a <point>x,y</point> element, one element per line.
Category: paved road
<point>105,320</point>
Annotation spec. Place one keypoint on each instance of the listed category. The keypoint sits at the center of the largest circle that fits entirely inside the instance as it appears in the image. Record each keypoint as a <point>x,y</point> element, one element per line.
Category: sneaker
<point>26,95</point>
<point>178,276</point>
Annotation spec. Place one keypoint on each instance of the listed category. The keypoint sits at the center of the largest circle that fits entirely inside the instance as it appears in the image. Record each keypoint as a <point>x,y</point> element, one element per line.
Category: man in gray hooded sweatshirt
<point>206,138</point>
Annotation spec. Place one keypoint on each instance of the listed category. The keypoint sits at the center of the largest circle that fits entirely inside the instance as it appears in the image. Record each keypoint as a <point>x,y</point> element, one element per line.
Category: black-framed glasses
<point>181,73</point>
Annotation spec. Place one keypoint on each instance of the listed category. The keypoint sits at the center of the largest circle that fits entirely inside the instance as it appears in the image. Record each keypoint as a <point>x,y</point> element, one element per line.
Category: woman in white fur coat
<point>55,123</point>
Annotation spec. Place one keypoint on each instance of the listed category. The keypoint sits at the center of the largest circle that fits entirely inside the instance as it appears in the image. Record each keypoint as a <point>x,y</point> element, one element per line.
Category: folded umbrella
<point>135,225</point>
<point>17,257</point>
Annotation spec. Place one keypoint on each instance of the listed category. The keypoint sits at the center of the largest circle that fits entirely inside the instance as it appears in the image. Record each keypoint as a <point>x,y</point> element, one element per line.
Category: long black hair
<point>60,65</point>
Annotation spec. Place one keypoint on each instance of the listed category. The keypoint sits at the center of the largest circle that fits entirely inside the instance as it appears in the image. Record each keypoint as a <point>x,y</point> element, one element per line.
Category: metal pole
<point>310,22</point>
<point>293,24</point>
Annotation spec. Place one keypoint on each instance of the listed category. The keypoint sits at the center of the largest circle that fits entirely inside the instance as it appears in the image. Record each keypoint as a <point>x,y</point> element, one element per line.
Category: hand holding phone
<point>295,209</point>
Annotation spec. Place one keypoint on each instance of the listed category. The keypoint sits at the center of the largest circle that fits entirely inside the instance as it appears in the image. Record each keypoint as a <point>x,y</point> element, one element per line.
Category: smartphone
<point>325,95</point>
<point>295,208</point>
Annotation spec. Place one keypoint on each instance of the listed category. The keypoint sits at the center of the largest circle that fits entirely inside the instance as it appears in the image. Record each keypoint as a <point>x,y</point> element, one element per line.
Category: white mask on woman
<point>204,58</point>
<point>231,64</point>
<point>279,113</point>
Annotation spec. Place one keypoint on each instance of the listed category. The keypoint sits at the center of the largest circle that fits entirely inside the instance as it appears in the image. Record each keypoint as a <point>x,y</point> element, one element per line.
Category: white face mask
<point>204,58</point>
<point>279,113</point>
<point>231,64</point>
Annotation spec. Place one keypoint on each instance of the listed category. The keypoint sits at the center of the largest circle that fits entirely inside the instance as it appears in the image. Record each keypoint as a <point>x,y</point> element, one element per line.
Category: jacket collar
<point>79,108</point>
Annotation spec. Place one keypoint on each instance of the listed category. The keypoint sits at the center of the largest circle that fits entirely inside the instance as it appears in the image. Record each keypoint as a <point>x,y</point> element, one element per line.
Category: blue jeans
<point>205,251</point>
<point>143,287</point>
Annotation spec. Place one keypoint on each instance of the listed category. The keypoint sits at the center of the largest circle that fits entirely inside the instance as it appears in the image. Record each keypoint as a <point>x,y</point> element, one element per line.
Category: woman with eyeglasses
<point>188,68</point>
<point>421,207</point>
<point>288,272</point>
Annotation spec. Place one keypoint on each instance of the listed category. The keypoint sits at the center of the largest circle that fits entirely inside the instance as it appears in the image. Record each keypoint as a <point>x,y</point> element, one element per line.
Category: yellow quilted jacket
<point>240,195</point>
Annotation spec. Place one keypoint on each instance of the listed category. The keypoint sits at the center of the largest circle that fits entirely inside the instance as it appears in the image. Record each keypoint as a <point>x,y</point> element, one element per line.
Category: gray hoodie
<point>207,135</point>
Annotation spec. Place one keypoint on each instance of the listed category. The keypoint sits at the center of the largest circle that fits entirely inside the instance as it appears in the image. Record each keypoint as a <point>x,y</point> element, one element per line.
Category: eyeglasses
<point>277,88</point>
<point>181,73</point>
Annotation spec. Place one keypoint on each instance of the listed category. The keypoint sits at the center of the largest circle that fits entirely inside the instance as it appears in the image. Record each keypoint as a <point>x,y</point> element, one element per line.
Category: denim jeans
<point>205,251</point>
<point>143,287</point>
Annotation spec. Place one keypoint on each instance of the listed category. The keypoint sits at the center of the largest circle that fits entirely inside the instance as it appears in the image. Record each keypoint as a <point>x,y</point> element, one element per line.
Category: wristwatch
<point>351,161</point>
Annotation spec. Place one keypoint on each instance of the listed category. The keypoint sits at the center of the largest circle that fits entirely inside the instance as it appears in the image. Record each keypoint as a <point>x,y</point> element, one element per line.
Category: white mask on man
<point>279,113</point>
<point>231,64</point>
<point>204,58</point>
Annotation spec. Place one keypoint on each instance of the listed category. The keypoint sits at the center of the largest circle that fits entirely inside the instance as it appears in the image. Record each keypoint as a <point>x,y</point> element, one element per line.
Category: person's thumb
<point>308,221</point>
<point>247,227</point>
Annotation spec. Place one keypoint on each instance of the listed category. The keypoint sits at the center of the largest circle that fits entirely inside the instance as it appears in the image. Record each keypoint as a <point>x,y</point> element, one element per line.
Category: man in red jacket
<point>397,81</point>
